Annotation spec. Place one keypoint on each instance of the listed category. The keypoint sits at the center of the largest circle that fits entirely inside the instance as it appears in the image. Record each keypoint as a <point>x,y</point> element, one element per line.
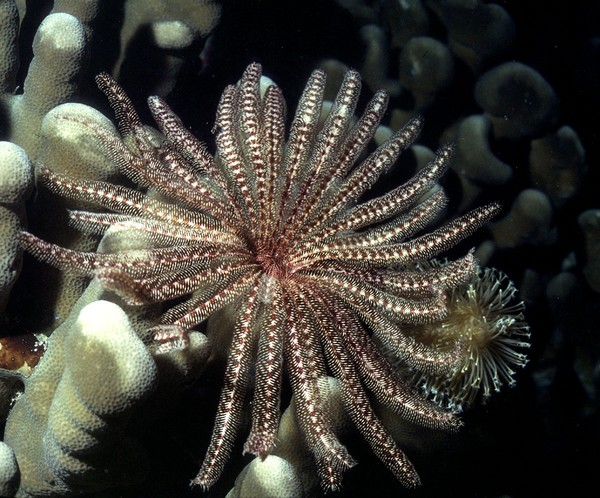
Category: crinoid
<point>486,316</point>
<point>274,227</point>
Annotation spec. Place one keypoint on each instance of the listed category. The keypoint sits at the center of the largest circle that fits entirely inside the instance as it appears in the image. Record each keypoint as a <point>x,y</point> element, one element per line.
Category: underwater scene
<point>268,249</point>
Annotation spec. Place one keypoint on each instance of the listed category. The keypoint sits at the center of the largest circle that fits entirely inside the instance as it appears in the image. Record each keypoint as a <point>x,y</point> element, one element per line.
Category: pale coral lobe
<point>274,226</point>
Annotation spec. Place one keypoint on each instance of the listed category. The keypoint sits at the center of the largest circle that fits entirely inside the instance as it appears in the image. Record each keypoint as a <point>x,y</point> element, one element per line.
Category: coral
<point>66,428</point>
<point>589,221</point>
<point>476,165</point>
<point>9,31</point>
<point>477,32</point>
<point>261,229</point>
<point>291,443</point>
<point>426,67</point>
<point>475,162</point>
<point>16,183</point>
<point>375,68</point>
<point>69,146</point>
<point>9,471</point>
<point>272,477</point>
<point>51,135</point>
<point>405,20</point>
<point>528,222</point>
<point>59,49</point>
<point>500,92</point>
<point>557,165</point>
<point>161,34</point>
<point>16,176</point>
<point>10,260</point>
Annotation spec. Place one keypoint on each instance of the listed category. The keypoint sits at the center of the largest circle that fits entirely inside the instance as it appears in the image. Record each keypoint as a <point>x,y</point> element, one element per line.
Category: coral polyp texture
<point>274,229</point>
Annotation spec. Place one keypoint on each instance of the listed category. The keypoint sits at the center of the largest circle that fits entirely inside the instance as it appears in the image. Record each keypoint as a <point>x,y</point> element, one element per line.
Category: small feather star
<point>486,316</point>
<point>274,227</point>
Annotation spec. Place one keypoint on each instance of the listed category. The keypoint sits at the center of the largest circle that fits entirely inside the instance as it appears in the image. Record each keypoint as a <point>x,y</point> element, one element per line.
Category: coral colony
<point>273,229</point>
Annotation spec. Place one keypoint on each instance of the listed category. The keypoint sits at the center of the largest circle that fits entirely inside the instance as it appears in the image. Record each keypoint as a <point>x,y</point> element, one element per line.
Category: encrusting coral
<point>270,229</point>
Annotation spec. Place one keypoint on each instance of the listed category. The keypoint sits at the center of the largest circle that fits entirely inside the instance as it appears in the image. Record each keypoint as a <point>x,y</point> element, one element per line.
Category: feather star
<point>275,228</point>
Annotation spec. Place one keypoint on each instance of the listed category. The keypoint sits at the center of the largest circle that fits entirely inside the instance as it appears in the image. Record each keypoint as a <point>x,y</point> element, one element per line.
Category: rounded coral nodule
<point>274,228</point>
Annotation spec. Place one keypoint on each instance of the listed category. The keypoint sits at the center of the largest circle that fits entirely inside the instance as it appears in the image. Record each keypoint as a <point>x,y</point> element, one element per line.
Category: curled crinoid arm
<point>168,338</point>
<point>135,135</point>
<point>200,159</point>
<point>125,113</point>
